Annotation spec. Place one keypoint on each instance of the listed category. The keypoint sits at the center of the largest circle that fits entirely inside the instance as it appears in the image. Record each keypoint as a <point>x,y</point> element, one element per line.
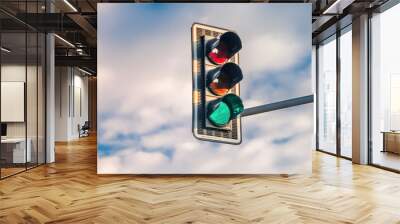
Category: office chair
<point>84,130</point>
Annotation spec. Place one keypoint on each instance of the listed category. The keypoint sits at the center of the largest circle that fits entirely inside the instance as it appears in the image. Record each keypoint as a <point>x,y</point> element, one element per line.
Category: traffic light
<point>216,90</point>
<point>221,49</point>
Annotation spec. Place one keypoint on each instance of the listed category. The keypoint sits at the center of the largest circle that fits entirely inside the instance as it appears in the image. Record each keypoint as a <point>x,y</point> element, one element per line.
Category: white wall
<point>33,126</point>
<point>62,80</point>
<point>12,100</point>
<point>79,117</point>
<point>69,82</point>
<point>17,73</point>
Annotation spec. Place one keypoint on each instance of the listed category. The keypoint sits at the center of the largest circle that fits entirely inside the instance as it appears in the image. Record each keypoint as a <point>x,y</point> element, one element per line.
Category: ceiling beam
<point>86,27</point>
<point>338,6</point>
<point>84,61</point>
<point>49,22</point>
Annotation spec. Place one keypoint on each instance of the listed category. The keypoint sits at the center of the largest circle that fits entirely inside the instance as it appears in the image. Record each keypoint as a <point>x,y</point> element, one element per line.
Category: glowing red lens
<point>221,49</point>
<point>218,56</point>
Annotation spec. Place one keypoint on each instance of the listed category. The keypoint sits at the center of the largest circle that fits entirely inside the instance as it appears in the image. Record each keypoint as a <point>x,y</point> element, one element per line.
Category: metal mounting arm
<point>278,105</point>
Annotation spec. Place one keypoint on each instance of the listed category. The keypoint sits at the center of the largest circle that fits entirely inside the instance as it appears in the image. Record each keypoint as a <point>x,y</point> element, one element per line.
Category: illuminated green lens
<point>220,115</point>
<point>234,103</point>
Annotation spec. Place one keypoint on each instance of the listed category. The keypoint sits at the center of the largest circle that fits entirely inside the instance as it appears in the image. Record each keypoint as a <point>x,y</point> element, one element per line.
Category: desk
<point>391,141</point>
<point>16,147</point>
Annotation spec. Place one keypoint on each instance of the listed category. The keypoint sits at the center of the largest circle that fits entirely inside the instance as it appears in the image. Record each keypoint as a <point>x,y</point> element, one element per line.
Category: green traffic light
<point>220,114</point>
<point>222,111</point>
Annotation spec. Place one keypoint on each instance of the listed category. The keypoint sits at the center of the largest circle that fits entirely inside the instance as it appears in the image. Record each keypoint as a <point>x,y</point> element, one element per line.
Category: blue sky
<point>144,55</point>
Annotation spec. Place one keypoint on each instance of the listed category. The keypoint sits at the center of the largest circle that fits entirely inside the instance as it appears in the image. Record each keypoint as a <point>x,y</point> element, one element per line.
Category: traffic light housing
<point>216,90</point>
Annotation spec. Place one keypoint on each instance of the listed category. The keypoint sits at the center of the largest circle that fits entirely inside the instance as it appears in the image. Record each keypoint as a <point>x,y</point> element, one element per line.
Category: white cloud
<point>258,154</point>
<point>279,51</point>
<point>131,161</point>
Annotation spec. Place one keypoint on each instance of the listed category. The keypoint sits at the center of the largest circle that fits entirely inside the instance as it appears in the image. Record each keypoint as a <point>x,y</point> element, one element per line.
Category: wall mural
<point>147,90</point>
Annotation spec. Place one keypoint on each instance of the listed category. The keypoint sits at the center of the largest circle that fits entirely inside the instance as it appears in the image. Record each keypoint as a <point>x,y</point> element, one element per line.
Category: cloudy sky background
<point>145,85</point>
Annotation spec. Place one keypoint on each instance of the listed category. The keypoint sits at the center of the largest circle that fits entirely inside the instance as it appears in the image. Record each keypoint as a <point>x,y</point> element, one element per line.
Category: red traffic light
<point>221,79</point>
<point>221,49</point>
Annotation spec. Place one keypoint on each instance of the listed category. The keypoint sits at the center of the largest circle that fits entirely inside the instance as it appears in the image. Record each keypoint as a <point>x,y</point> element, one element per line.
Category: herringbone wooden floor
<point>69,191</point>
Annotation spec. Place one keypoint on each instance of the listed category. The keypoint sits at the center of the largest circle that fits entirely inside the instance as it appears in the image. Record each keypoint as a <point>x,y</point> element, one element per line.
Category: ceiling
<point>75,22</point>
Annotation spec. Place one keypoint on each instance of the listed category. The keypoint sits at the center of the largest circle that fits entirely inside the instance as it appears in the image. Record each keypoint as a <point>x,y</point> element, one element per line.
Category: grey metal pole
<point>278,105</point>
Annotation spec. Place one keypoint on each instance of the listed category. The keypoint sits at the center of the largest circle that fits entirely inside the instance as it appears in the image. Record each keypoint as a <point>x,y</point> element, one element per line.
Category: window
<point>327,95</point>
<point>346,92</point>
<point>385,89</point>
